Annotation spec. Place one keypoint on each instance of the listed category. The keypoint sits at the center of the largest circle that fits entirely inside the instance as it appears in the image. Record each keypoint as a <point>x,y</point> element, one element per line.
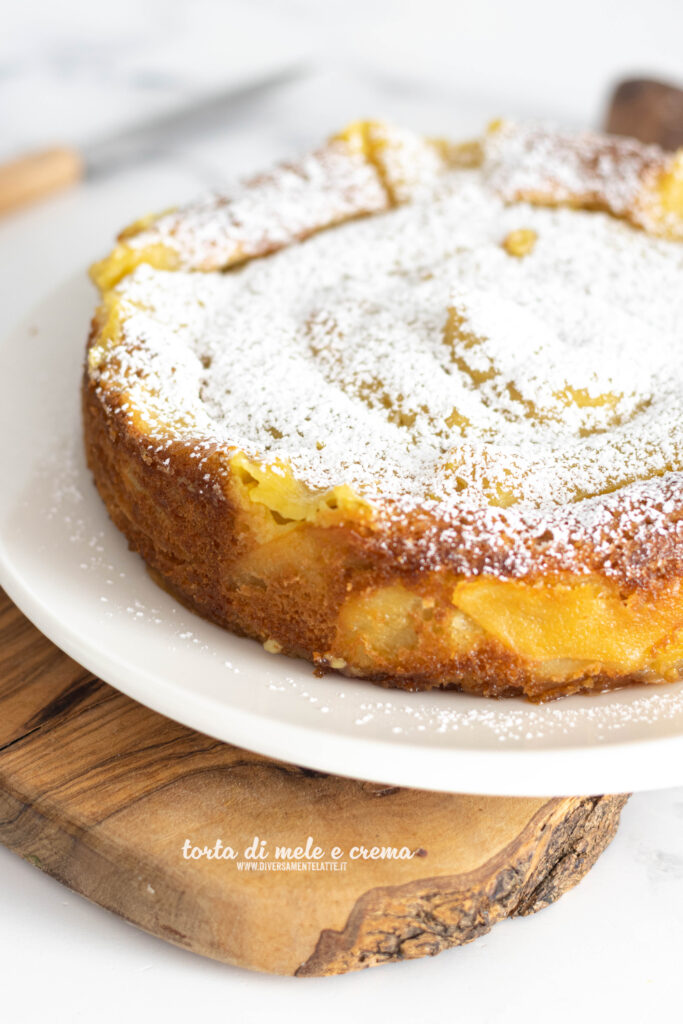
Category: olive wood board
<point>103,793</point>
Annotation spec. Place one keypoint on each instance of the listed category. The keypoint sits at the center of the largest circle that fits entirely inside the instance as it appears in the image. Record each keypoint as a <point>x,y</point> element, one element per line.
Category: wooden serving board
<point>102,794</point>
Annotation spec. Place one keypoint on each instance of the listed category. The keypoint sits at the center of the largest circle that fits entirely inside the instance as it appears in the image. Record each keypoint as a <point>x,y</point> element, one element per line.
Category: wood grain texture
<point>101,793</point>
<point>37,175</point>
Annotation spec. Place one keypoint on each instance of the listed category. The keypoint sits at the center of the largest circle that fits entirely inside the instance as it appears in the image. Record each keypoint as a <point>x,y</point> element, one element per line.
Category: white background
<point>71,71</point>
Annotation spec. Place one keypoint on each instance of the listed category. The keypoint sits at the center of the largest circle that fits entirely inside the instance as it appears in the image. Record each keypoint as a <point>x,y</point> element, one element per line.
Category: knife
<point>39,174</point>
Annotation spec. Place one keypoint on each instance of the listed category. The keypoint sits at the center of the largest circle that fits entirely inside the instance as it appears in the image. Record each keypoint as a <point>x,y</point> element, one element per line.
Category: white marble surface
<point>612,947</point>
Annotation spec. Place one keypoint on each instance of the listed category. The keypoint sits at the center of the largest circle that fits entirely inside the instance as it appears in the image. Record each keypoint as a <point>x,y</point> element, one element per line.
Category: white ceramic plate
<point>70,571</point>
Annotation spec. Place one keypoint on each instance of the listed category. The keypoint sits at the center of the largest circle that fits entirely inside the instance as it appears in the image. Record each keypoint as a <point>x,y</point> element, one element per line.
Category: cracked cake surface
<point>411,408</point>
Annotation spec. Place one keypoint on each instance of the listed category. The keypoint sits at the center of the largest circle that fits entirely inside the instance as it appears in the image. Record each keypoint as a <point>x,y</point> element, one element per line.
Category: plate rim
<point>638,763</point>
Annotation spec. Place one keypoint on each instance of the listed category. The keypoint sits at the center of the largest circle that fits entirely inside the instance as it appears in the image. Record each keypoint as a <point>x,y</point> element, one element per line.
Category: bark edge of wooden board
<point>428,916</point>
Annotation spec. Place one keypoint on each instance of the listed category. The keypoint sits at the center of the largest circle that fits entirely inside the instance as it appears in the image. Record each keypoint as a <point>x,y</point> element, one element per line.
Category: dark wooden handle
<point>648,110</point>
<point>38,174</point>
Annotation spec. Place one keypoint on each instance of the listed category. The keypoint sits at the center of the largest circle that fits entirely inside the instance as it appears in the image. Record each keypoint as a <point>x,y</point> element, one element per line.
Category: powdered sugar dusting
<point>412,357</point>
<point>606,718</point>
<point>534,161</point>
<point>269,211</point>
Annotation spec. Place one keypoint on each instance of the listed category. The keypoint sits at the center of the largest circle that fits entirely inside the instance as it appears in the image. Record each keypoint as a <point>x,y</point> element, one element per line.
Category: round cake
<point>411,409</point>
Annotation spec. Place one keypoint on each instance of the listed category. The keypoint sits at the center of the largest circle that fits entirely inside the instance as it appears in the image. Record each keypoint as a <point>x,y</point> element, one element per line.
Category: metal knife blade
<point>146,139</point>
<point>39,174</point>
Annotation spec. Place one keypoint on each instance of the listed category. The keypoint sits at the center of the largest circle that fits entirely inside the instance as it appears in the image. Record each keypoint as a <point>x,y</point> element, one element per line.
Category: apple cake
<point>411,409</point>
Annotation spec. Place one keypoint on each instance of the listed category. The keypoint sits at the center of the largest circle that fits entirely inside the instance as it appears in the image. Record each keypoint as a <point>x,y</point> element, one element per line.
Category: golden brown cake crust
<point>374,594</point>
<point>193,541</point>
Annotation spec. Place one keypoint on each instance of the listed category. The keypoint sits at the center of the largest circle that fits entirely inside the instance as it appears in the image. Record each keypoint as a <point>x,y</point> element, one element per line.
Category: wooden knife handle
<point>38,174</point>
